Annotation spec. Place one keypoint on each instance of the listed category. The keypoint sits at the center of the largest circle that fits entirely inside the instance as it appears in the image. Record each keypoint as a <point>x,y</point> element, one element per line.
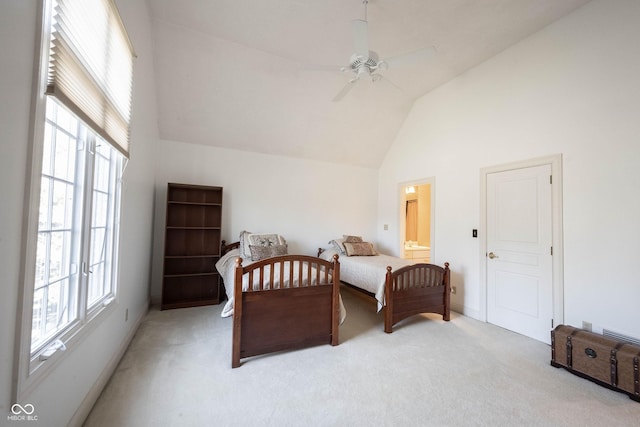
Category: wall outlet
<point>454,289</point>
<point>386,227</point>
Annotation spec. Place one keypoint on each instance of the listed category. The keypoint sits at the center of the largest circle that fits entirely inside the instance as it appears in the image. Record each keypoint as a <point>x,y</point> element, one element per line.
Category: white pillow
<point>338,245</point>
<point>328,254</point>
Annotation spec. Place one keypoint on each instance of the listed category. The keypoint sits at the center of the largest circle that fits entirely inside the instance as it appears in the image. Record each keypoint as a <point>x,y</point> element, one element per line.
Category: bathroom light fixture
<point>410,190</point>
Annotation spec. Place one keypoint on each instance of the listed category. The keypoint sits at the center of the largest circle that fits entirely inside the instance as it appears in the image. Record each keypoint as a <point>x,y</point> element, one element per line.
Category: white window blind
<point>91,67</point>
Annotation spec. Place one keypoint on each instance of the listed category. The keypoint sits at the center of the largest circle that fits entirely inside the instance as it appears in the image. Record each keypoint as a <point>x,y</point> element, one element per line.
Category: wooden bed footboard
<point>289,302</point>
<point>418,288</point>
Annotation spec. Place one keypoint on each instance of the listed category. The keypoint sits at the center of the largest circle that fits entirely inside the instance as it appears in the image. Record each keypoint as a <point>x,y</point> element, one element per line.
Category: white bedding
<point>367,272</point>
<point>226,268</point>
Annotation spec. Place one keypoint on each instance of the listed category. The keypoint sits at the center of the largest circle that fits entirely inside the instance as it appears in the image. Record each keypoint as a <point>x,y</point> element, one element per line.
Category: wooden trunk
<point>601,359</point>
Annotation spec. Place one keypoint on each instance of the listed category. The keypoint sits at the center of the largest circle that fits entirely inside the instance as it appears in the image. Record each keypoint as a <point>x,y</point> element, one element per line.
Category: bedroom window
<point>77,226</point>
<point>80,147</point>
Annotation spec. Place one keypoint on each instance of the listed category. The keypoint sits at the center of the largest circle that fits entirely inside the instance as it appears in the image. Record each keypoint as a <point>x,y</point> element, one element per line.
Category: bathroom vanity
<point>417,252</point>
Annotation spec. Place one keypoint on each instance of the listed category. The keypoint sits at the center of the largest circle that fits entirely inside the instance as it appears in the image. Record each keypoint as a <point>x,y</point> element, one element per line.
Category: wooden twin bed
<point>418,288</point>
<point>401,289</point>
<point>284,302</point>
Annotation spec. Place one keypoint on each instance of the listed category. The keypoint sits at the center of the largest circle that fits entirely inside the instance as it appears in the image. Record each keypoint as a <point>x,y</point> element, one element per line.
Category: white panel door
<point>519,260</point>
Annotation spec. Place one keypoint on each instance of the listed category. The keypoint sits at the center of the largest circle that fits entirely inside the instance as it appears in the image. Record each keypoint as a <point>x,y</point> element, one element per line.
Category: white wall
<point>308,202</point>
<point>62,394</point>
<point>573,88</point>
<point>17,41</point>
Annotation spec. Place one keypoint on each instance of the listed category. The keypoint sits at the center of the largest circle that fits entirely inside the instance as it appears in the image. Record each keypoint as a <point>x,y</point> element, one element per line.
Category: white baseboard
<point>155,300</point>
<point>92,396</point>
<point>466,311</point>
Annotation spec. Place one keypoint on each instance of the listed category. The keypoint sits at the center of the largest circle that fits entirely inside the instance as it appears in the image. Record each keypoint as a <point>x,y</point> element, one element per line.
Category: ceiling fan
<point>365,63</point>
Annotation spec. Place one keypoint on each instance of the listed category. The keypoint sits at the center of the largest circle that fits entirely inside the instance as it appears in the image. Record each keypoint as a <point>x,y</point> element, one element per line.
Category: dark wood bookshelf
<point>192,246</point>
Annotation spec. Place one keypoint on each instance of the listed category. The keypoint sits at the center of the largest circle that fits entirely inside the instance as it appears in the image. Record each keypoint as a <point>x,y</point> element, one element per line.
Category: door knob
<point>492,255</point>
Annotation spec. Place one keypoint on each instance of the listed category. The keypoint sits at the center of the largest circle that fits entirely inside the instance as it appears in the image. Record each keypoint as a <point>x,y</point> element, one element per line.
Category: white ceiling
<point>252,75</point>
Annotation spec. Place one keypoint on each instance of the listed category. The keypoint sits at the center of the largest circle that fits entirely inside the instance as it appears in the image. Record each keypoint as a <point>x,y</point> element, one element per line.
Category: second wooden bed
<point>415,289</point>
<point>401,289</point>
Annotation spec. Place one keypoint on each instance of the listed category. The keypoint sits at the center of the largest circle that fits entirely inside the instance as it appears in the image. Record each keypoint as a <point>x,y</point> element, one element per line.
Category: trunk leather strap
<point>614,364</point>
<point>636,375</point>
<point>570,348</point>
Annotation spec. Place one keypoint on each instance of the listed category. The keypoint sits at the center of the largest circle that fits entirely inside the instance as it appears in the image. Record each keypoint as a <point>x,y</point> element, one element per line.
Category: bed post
<point>447,293</point>
<point>388,299</point>
<point>237,314</point>
<point>335,301</point>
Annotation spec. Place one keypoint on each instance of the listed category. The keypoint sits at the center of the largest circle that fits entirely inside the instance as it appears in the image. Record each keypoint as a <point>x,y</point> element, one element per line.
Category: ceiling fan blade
<point>359,29</point>
<point>326,68</point>
<point>411,57</point>
<point>392,84</point>
<point>345,89</point>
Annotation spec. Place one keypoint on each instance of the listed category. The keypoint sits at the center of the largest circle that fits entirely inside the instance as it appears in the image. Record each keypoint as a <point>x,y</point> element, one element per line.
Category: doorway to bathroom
<point>416,220</point>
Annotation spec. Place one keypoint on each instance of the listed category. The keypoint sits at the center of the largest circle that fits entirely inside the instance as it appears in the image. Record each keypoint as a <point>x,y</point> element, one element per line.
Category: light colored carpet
<point>177,372</point>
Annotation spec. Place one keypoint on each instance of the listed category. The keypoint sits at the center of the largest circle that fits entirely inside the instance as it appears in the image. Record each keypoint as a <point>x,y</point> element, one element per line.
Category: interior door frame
<point>558,249</point>
<point>401,209</point>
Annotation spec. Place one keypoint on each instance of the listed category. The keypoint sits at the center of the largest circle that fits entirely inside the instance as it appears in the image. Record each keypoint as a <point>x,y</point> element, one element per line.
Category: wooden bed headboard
<point>224,248</point>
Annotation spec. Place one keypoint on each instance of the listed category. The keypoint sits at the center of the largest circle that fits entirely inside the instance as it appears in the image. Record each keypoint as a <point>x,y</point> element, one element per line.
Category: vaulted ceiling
<point>261,75</point>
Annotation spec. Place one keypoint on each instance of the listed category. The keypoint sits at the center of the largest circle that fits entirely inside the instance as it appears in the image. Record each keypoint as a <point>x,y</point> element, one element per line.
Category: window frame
<point>29,369</point>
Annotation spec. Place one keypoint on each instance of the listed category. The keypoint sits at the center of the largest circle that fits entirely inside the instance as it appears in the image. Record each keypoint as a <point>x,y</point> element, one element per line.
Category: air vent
<point>620,337</point>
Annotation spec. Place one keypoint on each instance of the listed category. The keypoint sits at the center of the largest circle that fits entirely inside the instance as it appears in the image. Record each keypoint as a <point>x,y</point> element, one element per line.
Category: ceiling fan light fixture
<point>357,61</point>
<point>365,62</point>
<point>363,70</point>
